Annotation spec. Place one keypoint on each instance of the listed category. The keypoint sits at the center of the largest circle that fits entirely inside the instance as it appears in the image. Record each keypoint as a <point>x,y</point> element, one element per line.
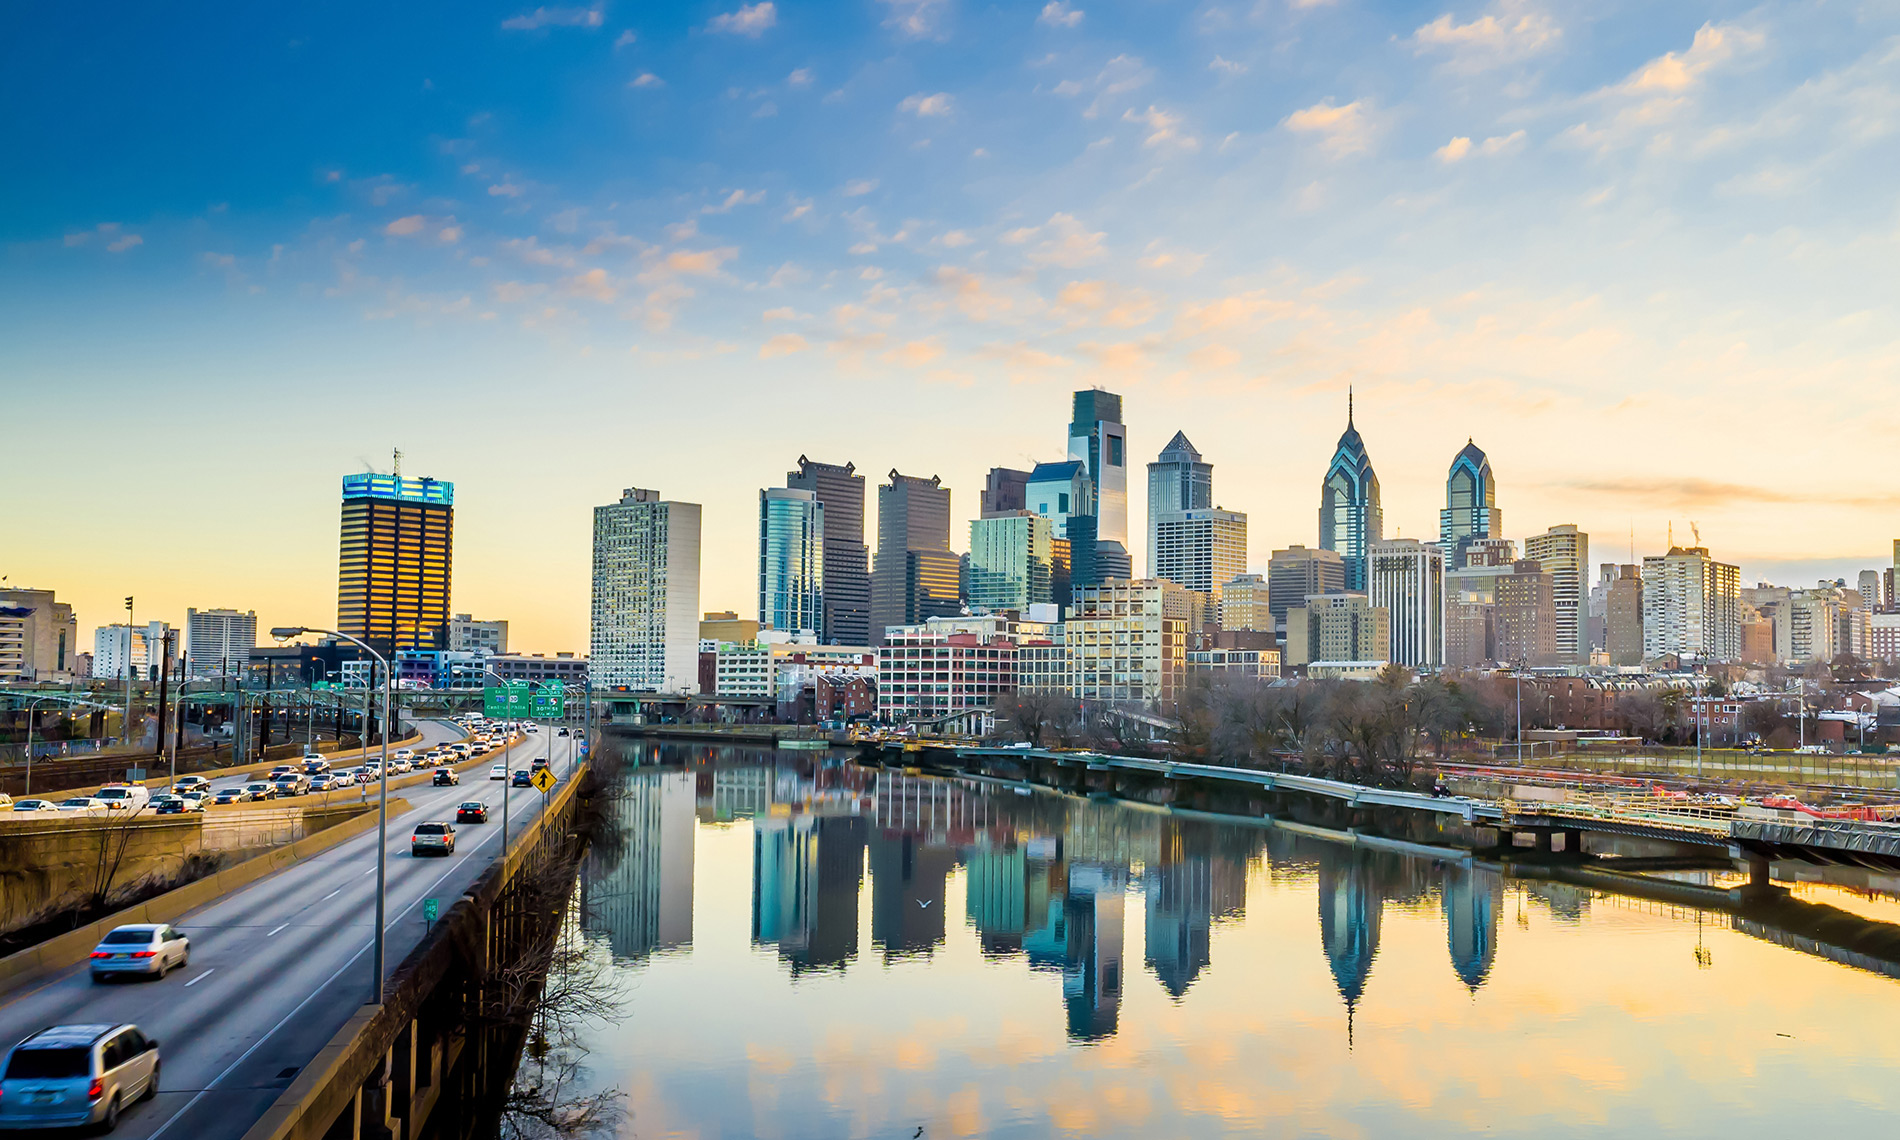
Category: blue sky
<point>1643,254</point>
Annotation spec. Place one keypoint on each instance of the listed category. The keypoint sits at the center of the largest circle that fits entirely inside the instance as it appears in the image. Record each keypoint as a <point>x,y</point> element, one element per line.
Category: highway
<point>278,967</point>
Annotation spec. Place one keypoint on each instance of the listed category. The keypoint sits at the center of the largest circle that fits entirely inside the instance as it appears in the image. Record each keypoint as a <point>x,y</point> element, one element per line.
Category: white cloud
<point>1454,150</point>
<point>626,39</point>
<point>1056,14</point>
<point>750,20</point>
<point>924,106</point>
<point>799,210</point>
<point>956,239</point>
<point>1343,129</point>
<point>1161,128</point>
<point>1226,66</point>
<point>505,189</point>
<point>802,77</point>
<point>784,344</point>
<point>734,199</point>
<point>1461,147</point>
<point>404,227</point>
<point>553,18</point>
<point>1673,73</point>
<point>646,79</point>
<point>782,313</point>
<point>686,263</point>
<point>858,188</point>
<point>1515,30</point>
<point>127,241</point>
<point>1120,75</point>
<point>916,19</point>
<point>1066,242</point>
<point>593,284</point>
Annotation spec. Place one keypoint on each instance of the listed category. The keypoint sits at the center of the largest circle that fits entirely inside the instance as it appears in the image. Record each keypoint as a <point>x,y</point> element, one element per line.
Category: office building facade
<point>1128,642</point>
<point>1564,553</point>
<point>1004,489</point>
<point>1059,492</point>
<point>1098,439</point>
<point>916,575</point>
<point>1337,628</point>
<point>1200,550</point>
<point>1471,509</point>
<point>1407,580</point>
<point>791,561</point>
<point>1012,562</point>
<point>219,642</point>
<point>396,560</point>
<point>645,618</point>
<point>1350,516</point>
<point>1245,603</point>
<point>1525,616</point>
<point>1691,606</point>
<point>467,635</point>
<point>39,637</point>
<point>847,561</point>
<point>1297,572</point>
<point>1623,616</point>
<point>1177,481</point>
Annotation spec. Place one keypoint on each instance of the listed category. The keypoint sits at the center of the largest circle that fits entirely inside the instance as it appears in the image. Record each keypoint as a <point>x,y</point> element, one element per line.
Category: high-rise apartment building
<point>1524,616</point>
<point>1821,624</point>
<point>39,637</point>
<point>1406,578</point>
<point>1564,553</point>
<point>645,628</point>
<point>1012,562</point>
<point>393,580</point>
<point>1177,481</point>
<point>1350,517</point>
<point>1245,603</point>
<point>467,635</point>
<point>1872,594</point>
<point>1098,439</point>
<point>1471,509</point>
<point>916,575</point>
<point>1128,641</point>
<point>1004,489</point>
<point>847,563</point>
<point>219,642</point>
<point>1692,606</point>
<point>1298,572</point>
<point>118,647</point>
<point>791,561</point>
<point>1336,628</point>
<point>1200,550</point>
<point>1623,621</point>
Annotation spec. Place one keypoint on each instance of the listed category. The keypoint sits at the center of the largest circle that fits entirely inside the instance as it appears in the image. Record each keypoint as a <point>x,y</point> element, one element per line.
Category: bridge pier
<point>1573,841</point>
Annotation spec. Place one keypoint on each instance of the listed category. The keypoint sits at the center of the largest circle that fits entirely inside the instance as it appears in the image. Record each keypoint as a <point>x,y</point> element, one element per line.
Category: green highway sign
<point>549,701</point>
<point>431,910</point>
<point>506,700</point>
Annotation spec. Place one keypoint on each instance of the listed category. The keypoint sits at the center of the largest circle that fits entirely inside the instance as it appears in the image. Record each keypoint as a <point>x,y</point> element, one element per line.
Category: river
<point>800,947</point>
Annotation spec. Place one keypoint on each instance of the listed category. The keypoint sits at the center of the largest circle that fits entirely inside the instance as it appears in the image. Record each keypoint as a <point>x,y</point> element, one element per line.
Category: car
<point>403,754</point>
<point>472,811</point>
<point>523,778</point>
<point>6,801</point>
<point>531,727</point>
<point>398,767</point>
<point>322,782</point>
<point>83,805</point>
<point>280,770</point>
<point>345,778</point>
<point>315,765</point>
<point>434,838</point>
<point>538,763</point>
<point>72,1075</point>
<point>231,795</point>
<point>459,749</point>
<point>292,784</point>
<point>261,790</point>
<point>498,772</point>
<point>564,732</point>
<point>190,783</point>
<point>123,797</point>
<point>36,806</point>
<point>176,805</point>
<point>199,796</point>
<point>445,777</point>
<point>153,949</point>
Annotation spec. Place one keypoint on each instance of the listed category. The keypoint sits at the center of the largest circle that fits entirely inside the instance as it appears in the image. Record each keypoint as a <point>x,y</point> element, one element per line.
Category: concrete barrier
<point>70,949</point>
<point>155,782</point>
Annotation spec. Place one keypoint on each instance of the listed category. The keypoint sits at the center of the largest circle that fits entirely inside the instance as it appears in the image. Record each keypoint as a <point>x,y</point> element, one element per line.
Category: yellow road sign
<point>544,780</point>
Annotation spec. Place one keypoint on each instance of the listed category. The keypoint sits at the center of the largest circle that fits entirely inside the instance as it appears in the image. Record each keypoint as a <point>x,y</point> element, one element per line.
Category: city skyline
<point>1519,223</point>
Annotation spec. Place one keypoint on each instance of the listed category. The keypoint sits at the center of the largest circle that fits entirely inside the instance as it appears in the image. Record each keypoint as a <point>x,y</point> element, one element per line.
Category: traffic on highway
<point>243,992</point>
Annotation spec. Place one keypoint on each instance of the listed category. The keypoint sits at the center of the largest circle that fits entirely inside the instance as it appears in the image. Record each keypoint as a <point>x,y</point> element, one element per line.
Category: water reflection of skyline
<point>1046,879</point>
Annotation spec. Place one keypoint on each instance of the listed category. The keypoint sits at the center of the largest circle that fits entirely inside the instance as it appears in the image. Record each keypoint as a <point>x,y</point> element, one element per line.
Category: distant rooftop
<point>370,485</point>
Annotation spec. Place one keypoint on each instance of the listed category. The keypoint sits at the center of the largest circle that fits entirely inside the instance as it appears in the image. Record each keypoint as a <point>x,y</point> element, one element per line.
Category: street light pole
<point>284,633</point>
<point>127,726</point>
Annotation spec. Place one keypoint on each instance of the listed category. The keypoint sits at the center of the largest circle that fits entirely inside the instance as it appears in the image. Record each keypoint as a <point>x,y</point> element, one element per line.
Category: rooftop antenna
<point>1695,530</point>
<point>1349,405</point>
<point>1672,534</point>
<point>398,455</point>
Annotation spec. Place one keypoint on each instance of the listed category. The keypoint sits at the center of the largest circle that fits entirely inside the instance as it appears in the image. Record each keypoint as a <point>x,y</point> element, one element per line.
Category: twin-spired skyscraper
<point>1350,517</point>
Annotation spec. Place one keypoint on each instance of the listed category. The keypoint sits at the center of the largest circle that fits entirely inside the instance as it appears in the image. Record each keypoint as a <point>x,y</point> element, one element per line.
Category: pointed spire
<point>1349,405</point>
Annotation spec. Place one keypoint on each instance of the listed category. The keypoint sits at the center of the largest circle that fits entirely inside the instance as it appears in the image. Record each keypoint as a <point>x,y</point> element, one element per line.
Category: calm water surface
<point>811,950</point>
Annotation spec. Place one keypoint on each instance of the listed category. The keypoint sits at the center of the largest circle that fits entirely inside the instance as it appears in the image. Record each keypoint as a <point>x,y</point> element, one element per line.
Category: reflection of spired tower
<point>1349,911</point>
<point>1180,913</point>
<point>807,872</point>
<point>1472,898</point>
<point>1092,975</point>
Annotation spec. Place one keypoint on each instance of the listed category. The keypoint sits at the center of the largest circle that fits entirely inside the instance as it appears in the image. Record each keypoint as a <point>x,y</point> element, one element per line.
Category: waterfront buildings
<point>396,561</point>
<point>1296,573</point>
<point>1128,641</point>
<point>1253,664</point>
<point>945,672</point>
<point>645,619</point>
<point>1178,481</point>
<point>791,561</point>
<point>467,635</point>
<point>1623,620</point>
<point>1691,606</point>
<point>1337,628</point>
<point>1012,562</point>
<point>1350,516</point>
<point>1406,578</point>
<point>1471,509</point>
<point>846,568</point>
<point>1004,489</point>
<point>916,576</point>
<point>39,637</point>
<point>1098,439</point>
<point>759,668</point>
<point>1524,616</point>
<point>219,642</point>
<point>1200,550</point>
<point>1564,553</point>
<point>1246,603</point>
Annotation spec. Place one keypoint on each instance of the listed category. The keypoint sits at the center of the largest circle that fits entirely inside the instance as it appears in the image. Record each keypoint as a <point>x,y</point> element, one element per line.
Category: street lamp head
<point>286,632</point>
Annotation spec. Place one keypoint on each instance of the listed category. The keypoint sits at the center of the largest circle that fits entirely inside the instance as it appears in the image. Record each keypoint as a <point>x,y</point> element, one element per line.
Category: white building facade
<point>219,642</point>
<point>645,618</point>
<point>1406,578</point>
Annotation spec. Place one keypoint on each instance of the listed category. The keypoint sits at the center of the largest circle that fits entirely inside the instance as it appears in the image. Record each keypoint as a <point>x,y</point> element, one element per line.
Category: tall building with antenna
<point>1350,518</point>
<point>395,560</point>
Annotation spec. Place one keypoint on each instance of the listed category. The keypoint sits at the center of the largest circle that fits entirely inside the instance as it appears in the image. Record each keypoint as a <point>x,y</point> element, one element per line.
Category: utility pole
<point>128,672</point>
<point>164,681</point>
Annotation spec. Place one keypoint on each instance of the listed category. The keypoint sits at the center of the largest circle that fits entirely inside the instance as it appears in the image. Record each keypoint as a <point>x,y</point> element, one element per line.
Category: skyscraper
<point>1407,580</point>
<point>645,629</point>
<point>1004,489</point>
<point>1470,505</point>
<point>1623,622</point>
<point>1177,481</point>
<point>916,575</point>
<point>1350,518</point>
<point>1012,558</point>
<point>1692,606</point>
<point>847,563</point>
<point>1564,552</point>
<point>1525,615</point>
<point>791,561</point>
<point>1244,603</point>
<point>1296,573</point>
<point>1058,492</point>
<point>1201,550</point>
<point>1097,438</point>
<point>219,642</point>
<point>393,579</point>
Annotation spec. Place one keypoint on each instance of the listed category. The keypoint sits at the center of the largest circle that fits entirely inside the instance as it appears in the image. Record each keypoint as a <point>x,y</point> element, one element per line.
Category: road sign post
<point>431,910</point>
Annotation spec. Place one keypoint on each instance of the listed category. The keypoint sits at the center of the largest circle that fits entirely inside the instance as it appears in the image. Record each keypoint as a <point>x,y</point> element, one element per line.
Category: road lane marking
<point>274,932</point>
<point>331,895</point>
<point>196,980</point>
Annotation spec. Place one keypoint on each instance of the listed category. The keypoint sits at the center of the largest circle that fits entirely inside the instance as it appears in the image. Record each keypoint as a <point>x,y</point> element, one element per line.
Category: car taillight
<point>96,1089</point>
<point>143,953</point>
<point>100,954</point>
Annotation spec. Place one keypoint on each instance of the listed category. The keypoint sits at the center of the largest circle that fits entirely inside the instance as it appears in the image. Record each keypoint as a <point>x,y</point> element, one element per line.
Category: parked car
<point>71,1075</point>
<point>473,811</point>
<point>83,805</point>
<point>523,778</point>
<point>432,839</point>
<point>498,772</point>
<point>123,797</point>
<point>445,777</point>
<point>176,805</point>
<point>153,949</point>
<point>36,806</point>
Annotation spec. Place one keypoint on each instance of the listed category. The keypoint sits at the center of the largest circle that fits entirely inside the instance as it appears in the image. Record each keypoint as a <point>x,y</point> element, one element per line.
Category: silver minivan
<point>77,1074</point>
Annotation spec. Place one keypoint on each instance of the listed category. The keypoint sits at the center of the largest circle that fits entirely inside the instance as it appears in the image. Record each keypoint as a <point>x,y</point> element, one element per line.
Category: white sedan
<point>36,806</point>
<point>83,805</point>
<point>498,772</point>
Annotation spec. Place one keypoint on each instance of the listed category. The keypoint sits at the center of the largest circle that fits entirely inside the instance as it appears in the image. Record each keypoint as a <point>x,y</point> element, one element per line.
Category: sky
<point>1644,255</point>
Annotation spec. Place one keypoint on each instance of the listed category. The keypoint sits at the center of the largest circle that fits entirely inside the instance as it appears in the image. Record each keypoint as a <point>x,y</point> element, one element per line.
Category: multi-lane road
<point>279,966</point>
